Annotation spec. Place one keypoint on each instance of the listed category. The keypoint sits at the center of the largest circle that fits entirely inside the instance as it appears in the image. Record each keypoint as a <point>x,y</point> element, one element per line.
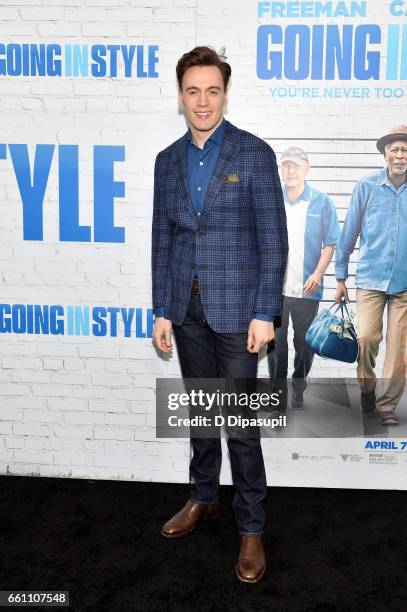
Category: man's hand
<point>313,283</point>
<point>341,292</point>
<point>162,334</point>
<point>260,332</point>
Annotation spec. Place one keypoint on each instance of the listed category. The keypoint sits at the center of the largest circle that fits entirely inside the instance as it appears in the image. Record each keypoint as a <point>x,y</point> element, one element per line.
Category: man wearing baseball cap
<point>378,215</point>
<point>313,230</point>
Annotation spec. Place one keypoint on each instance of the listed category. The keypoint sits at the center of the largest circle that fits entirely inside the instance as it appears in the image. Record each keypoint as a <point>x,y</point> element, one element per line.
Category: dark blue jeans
<point>204,353</point>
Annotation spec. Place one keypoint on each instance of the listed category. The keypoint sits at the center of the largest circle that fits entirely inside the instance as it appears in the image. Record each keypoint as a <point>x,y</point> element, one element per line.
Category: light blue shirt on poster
<point>378,214</point>
<point>317,230</point>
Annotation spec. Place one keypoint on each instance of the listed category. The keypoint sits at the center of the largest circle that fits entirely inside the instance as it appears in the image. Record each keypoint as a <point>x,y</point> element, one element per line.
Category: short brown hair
<point>202,56</point>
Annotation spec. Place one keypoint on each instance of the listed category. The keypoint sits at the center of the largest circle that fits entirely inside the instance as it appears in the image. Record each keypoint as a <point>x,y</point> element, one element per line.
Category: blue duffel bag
<point>333,336</point>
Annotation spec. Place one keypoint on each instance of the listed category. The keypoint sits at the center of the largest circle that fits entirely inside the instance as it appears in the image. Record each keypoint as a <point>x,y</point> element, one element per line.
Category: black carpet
<point>328,550</point>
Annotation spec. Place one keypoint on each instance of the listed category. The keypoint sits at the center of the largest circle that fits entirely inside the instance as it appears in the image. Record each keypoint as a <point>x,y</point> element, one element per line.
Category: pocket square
<point>232,178</point>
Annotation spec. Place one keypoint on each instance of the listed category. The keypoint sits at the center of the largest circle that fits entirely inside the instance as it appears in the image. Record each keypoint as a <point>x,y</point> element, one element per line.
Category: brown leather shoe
<point>186,519</point>
<point>251,564</point>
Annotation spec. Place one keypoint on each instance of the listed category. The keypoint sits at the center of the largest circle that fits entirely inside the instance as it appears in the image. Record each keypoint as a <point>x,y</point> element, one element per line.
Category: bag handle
<point>341,306</point>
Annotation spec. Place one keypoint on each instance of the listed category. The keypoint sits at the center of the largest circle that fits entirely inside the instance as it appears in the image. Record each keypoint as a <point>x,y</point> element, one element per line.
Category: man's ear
<point>308,169</point>
<point>180,102</point>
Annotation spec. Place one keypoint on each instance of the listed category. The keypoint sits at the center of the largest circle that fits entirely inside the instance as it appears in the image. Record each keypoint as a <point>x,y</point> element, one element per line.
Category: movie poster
<point>88,99</point>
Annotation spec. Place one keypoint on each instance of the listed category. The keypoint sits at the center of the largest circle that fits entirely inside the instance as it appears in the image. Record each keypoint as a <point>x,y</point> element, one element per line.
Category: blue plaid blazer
<point>239,243</point>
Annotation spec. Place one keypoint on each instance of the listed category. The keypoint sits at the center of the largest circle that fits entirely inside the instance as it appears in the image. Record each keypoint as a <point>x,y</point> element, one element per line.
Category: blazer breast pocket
<point>233,190</point>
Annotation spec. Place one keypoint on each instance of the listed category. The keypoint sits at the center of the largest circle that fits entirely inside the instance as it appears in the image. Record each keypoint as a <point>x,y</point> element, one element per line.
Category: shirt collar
<point>383,179</point>
<point>305,195</point>
<point>216,137</point>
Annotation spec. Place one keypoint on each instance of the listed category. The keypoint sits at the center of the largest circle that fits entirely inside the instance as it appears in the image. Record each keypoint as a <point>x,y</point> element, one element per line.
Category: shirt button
<point>201,163</point>
<point>199,188</point>
<point>199,214</point>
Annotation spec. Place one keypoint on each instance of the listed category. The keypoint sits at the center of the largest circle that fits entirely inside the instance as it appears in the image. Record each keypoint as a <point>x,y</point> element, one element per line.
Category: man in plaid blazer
<point>219,251</point>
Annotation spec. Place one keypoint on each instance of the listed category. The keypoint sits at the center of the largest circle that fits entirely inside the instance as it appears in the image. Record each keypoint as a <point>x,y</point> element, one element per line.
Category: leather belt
<point>195,287</point>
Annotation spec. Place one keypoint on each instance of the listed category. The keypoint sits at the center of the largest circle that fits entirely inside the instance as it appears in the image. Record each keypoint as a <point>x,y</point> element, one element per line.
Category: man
<point>378,214</point>
<point>219,249</point>
<point>313,230</point>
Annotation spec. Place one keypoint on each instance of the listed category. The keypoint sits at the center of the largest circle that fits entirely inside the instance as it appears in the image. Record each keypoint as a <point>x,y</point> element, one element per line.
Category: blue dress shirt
<point>378,213</point>
<point>201,164</point>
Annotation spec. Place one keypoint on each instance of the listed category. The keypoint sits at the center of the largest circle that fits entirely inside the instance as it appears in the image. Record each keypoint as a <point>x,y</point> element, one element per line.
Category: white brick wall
<point>84,407</point>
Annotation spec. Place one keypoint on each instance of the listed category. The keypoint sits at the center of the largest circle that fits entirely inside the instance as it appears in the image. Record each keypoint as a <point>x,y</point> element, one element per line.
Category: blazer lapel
<point>180,166</point>
<point>227,155</point>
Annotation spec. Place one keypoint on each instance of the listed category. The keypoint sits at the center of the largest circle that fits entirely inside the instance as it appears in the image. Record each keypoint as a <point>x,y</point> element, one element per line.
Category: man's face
<point>294,173</point>
<point>395,155</point>
<point>203,97</point>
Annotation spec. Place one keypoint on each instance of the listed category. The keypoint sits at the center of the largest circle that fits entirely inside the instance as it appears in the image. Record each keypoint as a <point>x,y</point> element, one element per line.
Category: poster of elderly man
<point>377,215</point>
